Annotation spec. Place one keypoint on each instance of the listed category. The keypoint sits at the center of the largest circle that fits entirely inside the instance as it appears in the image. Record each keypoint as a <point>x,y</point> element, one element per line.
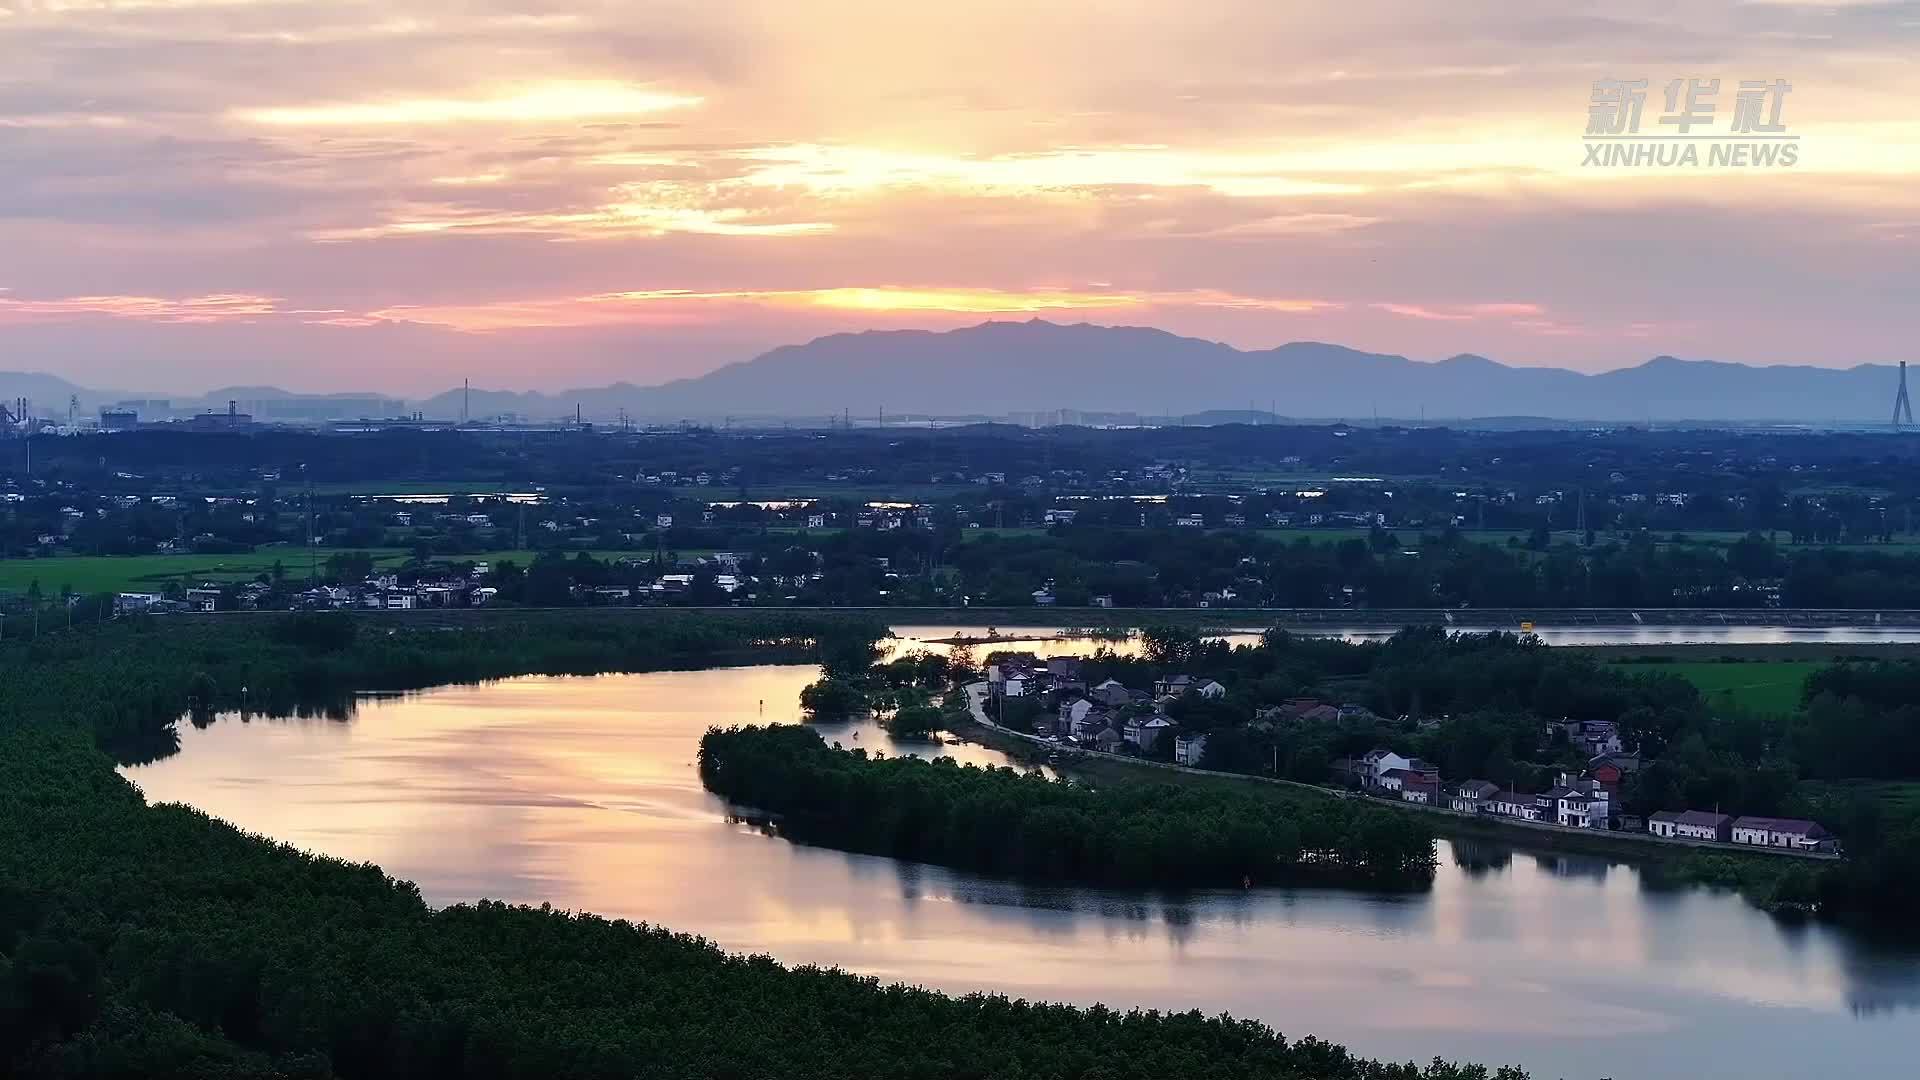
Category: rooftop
<point>1791,826</point>
<point>1689,817</point>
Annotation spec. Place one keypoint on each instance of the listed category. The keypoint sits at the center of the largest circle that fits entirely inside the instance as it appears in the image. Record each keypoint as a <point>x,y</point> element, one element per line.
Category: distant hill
<point>997,368</point>
<point>1108,372</point>
<point>50,394</point>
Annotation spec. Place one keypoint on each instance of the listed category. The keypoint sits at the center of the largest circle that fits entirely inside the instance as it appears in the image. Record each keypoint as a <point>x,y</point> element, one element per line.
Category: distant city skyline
<point>544,194</point>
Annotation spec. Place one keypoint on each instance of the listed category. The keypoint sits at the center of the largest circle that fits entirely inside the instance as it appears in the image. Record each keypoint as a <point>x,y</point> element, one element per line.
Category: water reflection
<point>1046,641</point>
<point>1042,641</point>
<point>1564,865</point>
<point>1478,858</point>
<point>583,792</point>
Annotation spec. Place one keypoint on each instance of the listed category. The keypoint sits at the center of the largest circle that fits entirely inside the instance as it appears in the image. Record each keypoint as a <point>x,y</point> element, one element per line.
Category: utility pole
<point>313,554</point>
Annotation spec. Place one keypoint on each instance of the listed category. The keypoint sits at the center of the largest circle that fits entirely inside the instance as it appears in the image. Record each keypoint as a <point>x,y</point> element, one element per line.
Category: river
<point>1053,641</point>
<point>582,792</point>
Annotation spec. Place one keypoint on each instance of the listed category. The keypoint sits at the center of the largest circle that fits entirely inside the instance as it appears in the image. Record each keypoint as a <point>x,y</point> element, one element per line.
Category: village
<point>1111,718</point>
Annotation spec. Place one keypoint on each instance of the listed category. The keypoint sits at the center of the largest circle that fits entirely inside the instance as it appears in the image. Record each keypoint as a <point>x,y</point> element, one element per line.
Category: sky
<point>394,195</point>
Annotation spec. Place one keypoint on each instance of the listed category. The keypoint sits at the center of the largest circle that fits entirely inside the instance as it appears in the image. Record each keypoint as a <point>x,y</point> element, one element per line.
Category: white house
<point>134,601</point>
<point>1090,725</point>
<point>1577,811</point>
<point>1416,790</point>
<point>1189,749</point>
<point>1012,676</point>
<point>1782,833</point>
<point>1378,763</point>
<point>663,521</point>
<point>1076,711</point>
<point>1691,825</point>
<point>1474,796</point>
<point>1394,780</point>
<point>1515,804</point>
<point>1211,690</point>
<point>1145,733</point>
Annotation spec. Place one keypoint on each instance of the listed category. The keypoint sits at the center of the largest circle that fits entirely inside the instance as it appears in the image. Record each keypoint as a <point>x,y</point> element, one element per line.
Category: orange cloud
<point>544,102</point>
<point>218,307</point>
<point>1463,312</point>
<point>1416,311</point>
<point>624,218</point>
<point>669,306</point>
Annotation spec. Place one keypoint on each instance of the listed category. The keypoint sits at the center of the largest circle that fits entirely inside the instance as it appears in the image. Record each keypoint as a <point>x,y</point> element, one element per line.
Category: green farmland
<point>88,574</point>
<point>1769,686</point>
<point>150,573</point>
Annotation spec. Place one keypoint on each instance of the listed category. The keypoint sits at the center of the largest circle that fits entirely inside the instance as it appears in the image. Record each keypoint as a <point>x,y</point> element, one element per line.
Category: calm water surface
<point>1050,640</point>
<point>583,792</point>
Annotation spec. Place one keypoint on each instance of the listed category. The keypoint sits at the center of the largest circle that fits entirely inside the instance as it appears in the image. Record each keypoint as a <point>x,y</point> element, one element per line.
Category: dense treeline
<point>130,681</point>
<point>140,941</point>
<point>1240,567</point>
<point>1175,567</point>
<point>1004,822</point>
<point>1855,714</point>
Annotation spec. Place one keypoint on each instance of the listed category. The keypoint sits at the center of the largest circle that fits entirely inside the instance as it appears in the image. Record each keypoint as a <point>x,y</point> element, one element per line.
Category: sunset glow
<point>643,192</point>
<point>562,101</point>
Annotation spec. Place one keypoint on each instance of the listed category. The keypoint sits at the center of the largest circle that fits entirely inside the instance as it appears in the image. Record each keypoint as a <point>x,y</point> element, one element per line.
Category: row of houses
<point>1586,801</point>
<point>1111,717</point>
<point>1574,802</point>
<point>1589,801</point>
<point>1794,834</point>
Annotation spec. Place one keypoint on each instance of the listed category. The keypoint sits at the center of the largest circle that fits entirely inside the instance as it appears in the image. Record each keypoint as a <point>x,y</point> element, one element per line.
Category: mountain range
<point>1001,368</point>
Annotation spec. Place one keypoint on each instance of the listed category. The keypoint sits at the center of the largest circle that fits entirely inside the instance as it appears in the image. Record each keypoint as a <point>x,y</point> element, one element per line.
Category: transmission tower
<point>1902,408</point>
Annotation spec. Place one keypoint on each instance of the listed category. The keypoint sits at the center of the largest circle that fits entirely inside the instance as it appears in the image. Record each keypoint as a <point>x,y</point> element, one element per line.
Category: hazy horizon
<point>550,387</point>
<point>568,193</point>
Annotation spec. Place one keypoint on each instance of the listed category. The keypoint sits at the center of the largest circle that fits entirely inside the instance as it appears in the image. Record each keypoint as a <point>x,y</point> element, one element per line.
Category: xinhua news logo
<point>1686,136</point>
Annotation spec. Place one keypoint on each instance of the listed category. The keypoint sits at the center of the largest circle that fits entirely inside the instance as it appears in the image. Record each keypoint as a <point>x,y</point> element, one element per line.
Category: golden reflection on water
<point>583,793</point>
